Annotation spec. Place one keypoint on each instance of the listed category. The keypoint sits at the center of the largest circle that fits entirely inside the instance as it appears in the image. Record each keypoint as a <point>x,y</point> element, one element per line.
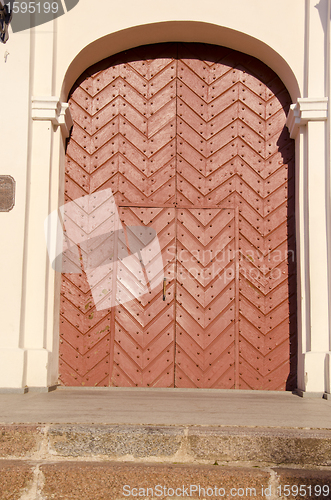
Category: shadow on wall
<point>26,15</point>
<point>287,150</point>
<point>322,8</point>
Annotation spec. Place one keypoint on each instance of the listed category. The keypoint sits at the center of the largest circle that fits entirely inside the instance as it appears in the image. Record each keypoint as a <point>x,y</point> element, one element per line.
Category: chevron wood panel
<point>85,343</point>
<point>85,336</point>
<point>233,147</point>
<point>205,329</point>
<point>207,125</point>
<point>144,326</point>
<point>187,126</point>
<point>124,115</point>
<point>266,217</point>
<point>136,111</point>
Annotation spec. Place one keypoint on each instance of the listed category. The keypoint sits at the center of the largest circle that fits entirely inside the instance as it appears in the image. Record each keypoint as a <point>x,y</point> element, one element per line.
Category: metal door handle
<point>164,288</point>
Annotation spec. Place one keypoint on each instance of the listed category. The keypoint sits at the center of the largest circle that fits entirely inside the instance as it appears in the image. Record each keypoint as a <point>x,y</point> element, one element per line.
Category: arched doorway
<point>191,139</point>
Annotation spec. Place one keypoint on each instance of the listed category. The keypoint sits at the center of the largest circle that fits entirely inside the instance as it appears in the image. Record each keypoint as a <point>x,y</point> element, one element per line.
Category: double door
<point>177,331</point>
<point>191,140</point>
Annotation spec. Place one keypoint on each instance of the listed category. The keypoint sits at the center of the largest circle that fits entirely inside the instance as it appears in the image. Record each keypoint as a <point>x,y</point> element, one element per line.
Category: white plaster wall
<point>14,130</point>
<point>14,88</point>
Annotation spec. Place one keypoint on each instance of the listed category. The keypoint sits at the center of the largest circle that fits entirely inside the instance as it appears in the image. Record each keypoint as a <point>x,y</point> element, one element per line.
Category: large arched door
<point>191,139</point>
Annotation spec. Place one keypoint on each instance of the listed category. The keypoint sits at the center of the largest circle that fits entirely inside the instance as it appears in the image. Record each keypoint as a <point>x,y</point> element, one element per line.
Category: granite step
<point>195,444</point>
<point>77,480</point>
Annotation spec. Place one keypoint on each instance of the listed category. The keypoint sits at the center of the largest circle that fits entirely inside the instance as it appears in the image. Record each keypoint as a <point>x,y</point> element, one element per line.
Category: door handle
<point>164,288</point>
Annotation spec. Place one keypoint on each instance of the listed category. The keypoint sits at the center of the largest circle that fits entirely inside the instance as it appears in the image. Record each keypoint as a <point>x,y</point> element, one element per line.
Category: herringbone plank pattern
<point>266,266</point>
<point>234,150</point>
<point>205,328</point>
<point>144,327</point>
<point>188,126</point>
<point>134,124</point>
<point>124,139</point>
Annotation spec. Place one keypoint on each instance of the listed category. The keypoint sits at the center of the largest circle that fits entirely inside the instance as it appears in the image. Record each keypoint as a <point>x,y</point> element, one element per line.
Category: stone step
<point>112,462</point>
<point>154,443</point>
<point>100,480</point>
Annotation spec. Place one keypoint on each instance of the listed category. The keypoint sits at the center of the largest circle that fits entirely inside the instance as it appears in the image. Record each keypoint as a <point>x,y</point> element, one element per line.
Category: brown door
<point>205,311</point>
<point>144,333</point>
<point>191,139</point>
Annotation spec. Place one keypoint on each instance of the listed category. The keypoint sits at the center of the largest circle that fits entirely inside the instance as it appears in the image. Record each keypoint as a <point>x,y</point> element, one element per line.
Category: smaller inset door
<point>205,311</point>
<point>143,327</point>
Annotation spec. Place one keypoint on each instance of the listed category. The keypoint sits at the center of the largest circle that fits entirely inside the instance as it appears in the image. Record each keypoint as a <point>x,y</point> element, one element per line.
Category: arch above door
<point>191,139</point>
<point>185,32</point>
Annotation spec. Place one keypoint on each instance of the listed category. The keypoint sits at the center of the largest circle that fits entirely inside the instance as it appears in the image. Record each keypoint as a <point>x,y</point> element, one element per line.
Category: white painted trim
<point>46,108</point>
<point>306,122</point>
<point>52,109</point>
<point>65,119</point>
<point>305,110</point>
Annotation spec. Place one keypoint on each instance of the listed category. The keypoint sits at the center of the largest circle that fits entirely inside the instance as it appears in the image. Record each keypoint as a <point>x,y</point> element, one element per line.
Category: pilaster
<point>307,121</point>
<point>50,120</point>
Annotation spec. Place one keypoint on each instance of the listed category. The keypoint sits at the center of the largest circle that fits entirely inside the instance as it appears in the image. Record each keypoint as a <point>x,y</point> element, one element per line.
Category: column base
<point>38,370</point>
<point>305,394</point>
<point>51,388</point>
<point>25,390</point>
<point>317,372</point>
<point>13,390</point>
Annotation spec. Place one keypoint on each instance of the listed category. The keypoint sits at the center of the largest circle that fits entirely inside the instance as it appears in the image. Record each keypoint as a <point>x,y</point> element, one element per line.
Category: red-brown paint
<point>179,132</point>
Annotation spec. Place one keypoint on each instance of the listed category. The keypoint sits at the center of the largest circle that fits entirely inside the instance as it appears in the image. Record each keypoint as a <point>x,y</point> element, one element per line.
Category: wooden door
<point>198,132</point>
<point>206,292</point>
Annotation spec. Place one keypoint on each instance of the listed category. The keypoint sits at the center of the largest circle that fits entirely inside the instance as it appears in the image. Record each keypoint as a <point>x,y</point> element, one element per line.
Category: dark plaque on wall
<point>7,193</point>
